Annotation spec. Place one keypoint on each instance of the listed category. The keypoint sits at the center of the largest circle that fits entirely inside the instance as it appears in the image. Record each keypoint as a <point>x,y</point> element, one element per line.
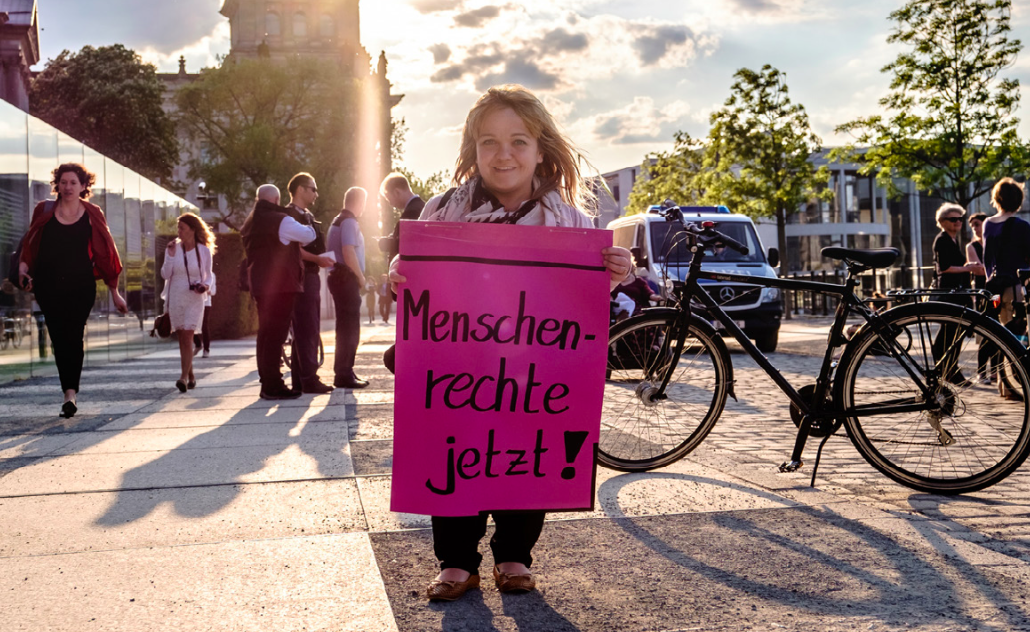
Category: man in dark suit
<point>397,191</point>
<point>273,240</point>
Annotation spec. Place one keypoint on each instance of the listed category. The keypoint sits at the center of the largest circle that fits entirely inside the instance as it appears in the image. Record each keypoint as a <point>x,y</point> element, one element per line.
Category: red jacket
<point>102,249</point>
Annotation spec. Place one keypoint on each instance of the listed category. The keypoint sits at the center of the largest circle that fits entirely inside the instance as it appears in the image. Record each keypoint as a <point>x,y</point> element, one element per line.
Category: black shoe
<point>68,410</point>
<point>181,385</point>
<point>279,393</point>
<point>351,382</point>
<point>317,388</point>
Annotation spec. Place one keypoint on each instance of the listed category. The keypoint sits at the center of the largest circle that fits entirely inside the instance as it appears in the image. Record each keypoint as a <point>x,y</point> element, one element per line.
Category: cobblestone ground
<point>756,431</point>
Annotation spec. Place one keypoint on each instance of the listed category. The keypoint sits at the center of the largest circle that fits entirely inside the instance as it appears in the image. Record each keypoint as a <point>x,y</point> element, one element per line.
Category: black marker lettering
<point>517,461</point>
<point>450,473</point>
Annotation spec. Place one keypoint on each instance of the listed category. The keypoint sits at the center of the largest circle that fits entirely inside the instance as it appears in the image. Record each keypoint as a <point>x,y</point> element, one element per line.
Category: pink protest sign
<point>502,335</point>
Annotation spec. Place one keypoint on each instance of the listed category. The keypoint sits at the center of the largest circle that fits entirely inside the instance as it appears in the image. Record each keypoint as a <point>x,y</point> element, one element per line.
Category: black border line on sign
<point>502,262</point>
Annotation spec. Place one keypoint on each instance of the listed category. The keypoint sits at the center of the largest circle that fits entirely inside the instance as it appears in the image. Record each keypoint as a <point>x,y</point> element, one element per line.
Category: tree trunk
<point>781,232</point>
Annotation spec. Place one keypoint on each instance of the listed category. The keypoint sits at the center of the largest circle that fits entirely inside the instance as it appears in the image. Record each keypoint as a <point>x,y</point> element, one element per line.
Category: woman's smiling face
<point>507,156</point>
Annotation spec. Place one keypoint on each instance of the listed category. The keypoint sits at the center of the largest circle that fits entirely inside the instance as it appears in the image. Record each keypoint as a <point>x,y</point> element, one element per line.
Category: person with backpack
<point>67,247</point>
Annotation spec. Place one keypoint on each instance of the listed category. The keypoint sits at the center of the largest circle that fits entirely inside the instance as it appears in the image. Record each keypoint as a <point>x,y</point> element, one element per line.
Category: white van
<point>756,310</point>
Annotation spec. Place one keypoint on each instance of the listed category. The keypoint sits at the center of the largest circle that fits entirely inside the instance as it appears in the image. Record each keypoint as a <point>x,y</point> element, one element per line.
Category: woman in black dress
<point>952,273</point>
<point>68,246</point>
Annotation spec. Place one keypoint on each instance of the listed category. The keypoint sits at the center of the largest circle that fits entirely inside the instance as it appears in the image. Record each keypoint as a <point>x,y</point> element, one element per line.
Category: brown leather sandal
<point>440,590</point>
<point>513,584</point>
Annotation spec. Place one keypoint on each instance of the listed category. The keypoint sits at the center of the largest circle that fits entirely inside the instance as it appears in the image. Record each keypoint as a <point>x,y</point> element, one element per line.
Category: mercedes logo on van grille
<point>727,293</point>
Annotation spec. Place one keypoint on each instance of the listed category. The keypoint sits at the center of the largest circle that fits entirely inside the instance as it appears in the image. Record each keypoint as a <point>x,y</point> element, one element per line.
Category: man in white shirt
<point>272,240</point>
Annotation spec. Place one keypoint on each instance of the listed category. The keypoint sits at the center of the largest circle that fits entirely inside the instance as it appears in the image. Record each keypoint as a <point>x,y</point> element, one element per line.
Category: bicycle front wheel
<point>641,428</point>
<point>957,435</point>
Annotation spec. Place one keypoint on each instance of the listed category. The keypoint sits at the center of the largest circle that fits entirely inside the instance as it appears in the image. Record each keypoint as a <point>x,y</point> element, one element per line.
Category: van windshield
<point>665,234</point>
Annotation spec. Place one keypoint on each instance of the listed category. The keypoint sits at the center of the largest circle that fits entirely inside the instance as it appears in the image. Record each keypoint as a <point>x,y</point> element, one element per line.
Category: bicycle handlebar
<point>713,236</point>
<point>671,211</point>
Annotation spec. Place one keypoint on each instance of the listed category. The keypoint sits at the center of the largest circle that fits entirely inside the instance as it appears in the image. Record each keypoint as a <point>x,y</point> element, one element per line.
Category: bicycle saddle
<point>875,258</point>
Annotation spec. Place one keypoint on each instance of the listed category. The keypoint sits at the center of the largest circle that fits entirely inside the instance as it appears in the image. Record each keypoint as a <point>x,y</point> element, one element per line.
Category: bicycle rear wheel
<point>958,436</point>
<point>641,430</point>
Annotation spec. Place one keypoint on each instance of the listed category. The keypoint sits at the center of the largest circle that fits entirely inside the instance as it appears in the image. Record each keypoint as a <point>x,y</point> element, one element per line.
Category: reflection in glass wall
<point>29,152</point>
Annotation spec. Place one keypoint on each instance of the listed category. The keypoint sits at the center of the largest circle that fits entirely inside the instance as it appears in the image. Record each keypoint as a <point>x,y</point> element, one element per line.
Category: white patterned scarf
<point>470,202</point>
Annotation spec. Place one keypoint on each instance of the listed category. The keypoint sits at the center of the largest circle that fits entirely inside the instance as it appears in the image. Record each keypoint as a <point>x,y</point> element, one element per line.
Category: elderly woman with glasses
<point>949,261</point>
<point>951,273</point>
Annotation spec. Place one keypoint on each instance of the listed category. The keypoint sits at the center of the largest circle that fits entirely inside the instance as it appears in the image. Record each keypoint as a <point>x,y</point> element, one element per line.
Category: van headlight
<point>770,294</point>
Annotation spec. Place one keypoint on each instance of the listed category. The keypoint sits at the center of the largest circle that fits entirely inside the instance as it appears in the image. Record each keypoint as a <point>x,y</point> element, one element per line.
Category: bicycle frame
<point>817,409</point>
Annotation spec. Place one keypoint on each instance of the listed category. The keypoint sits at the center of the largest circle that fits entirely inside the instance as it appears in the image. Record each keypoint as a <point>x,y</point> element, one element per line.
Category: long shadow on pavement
<point>221,459</point>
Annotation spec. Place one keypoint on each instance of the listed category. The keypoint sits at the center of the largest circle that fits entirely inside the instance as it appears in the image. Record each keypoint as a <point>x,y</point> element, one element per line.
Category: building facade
<point>19,50</point>
<point>30,149</point>
<point>282,30</point>
<point>861,214</point>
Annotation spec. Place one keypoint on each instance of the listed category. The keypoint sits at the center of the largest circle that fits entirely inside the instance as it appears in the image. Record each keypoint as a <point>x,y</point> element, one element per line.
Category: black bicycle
<point>287,352</point>
<point>903,385</point>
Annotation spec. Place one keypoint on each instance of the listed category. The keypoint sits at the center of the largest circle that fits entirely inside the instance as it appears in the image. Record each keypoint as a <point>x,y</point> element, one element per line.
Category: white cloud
<point>200,54</point>
<point>639,122</point>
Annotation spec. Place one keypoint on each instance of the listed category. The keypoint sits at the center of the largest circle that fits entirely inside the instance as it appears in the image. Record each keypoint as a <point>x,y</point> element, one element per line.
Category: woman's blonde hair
<point>201,231</point>
<point>560,167</point>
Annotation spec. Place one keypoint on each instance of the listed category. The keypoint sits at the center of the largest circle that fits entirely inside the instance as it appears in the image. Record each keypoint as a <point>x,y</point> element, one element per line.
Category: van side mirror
<point>638,257</point>
<point>774,257</point>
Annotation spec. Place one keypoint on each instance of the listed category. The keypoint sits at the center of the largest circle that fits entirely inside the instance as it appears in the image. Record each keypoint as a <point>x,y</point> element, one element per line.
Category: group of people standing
<point>286,249</point>
<point>1000,246</point>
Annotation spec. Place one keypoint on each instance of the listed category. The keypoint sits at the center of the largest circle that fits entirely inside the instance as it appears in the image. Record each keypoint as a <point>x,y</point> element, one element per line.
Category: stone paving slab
<point>277,433</point>
<point>294,459</point>
<point>284,584</point>
<point>228,417</point>
<point>176,517</point>
<point>793,569</point>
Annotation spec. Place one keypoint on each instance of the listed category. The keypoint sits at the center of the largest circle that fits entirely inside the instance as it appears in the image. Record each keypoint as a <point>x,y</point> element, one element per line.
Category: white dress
<point>185,307</point>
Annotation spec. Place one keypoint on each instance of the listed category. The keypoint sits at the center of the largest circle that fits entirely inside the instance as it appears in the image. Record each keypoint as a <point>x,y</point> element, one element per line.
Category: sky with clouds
<point>621,75</point>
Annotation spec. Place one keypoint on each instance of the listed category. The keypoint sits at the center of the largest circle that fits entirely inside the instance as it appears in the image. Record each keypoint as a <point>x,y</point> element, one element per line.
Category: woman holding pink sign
<point>514,167</point>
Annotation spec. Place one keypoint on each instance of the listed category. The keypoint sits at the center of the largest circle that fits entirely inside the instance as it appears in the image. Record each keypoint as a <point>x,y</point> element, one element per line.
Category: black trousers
<point>946,346</point>
<point>66,312</point>
<point>456,540</point>
<point>307,328</point>
<point>347,299</point>
<point>274,314</point>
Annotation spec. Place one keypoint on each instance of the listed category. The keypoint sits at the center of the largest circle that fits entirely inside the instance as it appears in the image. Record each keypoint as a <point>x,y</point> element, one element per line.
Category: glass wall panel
<point>17,325</point>
<point>29,152</point>
<point>96,326</point>
<point>42,159</point>
<point>116,220</point>
<point>68,149</point>
<point>147,306</point>
<point>132,259</point>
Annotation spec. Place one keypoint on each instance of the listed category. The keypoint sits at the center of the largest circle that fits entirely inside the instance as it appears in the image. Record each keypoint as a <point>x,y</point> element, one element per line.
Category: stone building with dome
<point>284,29</point>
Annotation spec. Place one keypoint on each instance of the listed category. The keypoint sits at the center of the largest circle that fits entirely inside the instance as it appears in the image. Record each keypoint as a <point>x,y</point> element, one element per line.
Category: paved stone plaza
<point>215,510</point>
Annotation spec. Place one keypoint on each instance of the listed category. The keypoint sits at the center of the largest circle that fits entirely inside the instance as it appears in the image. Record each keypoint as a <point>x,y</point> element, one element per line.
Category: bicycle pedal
<point>791,466</point>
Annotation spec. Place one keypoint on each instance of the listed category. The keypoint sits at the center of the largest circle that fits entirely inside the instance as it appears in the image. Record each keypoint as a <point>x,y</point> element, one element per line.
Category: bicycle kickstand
<point>819,455</point>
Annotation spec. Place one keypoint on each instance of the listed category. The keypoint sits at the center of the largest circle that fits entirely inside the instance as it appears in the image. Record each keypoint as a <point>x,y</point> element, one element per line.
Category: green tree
<point>109,99</point>
<point>672,175</point>
<point>756,160</point>
<point>949,124</point>
<point>260,121</point>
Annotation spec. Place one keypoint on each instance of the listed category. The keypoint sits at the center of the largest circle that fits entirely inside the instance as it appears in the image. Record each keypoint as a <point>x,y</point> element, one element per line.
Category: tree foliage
<point>259,121</point>
<point>109,99</point>
<point>950,123</point>
<point>672,175</point>
<point>755,159</point>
